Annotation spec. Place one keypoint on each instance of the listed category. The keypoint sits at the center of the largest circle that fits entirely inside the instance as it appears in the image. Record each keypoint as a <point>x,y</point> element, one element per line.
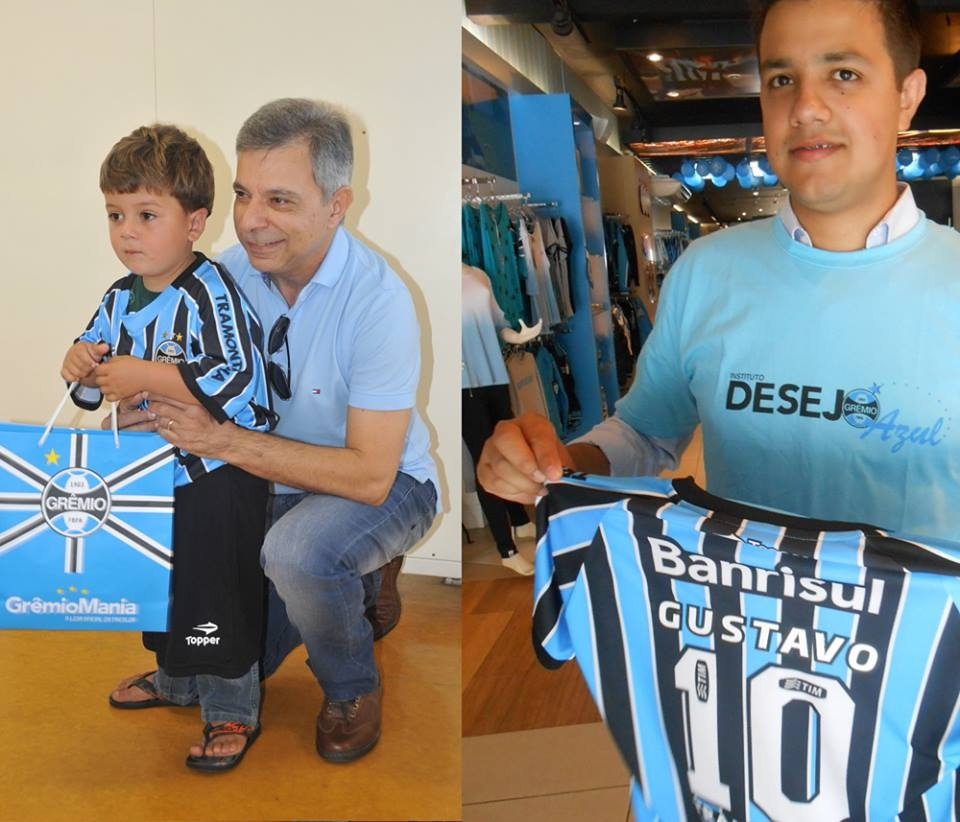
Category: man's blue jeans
<point>321,555</point>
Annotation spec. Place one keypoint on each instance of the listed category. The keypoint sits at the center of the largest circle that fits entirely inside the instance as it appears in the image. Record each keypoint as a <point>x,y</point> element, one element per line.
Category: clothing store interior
<point>599,141</point>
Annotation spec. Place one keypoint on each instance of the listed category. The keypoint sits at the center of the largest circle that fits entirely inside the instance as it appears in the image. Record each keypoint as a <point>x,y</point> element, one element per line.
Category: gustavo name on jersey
<point>669,559</point>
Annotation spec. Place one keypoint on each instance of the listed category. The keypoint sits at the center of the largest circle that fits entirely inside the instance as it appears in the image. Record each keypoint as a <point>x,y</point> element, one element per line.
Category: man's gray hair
<point>321,125</point>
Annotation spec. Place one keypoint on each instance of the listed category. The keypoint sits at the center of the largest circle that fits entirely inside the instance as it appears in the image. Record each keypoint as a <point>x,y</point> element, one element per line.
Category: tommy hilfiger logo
<point>207,628</point>
<point>315,391</point>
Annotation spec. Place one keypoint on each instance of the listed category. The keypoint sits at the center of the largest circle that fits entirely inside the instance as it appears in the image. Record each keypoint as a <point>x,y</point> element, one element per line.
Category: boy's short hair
<point>901,26</point>
<point>160,158</point>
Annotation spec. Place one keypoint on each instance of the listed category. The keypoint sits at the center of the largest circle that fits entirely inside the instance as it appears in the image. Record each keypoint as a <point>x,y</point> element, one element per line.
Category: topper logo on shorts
<point>75,502</point>
<point>170,352</point>
<point>207,628</point>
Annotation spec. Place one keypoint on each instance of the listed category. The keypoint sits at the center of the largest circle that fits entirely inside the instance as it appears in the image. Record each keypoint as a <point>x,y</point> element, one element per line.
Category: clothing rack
<point>522,199</point>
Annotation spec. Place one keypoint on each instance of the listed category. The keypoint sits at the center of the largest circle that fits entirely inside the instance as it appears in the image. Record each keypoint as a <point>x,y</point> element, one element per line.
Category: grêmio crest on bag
<point>85,529</point>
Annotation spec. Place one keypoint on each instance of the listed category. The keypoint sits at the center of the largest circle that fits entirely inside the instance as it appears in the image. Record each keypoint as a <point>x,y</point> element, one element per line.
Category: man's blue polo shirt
<point>354,341</point>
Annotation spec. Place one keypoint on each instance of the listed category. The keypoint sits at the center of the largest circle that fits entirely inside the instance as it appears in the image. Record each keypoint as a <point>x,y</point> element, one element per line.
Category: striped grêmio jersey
<point>202,324</point>
<point>752,665</point>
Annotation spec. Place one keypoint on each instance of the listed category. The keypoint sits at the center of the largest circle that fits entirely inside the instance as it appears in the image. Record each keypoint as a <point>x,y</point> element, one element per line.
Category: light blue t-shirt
<point>826,382</point>
<point>354,341</point>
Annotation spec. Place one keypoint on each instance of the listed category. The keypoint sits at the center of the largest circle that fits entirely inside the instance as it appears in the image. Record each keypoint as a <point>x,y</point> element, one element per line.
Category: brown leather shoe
<point>384,614</point>
<point>348,729</point>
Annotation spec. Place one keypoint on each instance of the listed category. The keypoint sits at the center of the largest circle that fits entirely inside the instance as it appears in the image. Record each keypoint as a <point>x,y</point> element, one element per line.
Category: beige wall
<point>74,77</point>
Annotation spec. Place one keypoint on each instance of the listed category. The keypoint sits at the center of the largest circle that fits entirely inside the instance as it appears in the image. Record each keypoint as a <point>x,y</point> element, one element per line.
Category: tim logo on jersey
<point>860,408</point>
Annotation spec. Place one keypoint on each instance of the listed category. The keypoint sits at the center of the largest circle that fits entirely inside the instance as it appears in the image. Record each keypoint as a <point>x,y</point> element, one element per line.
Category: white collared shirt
<point>895,223</point>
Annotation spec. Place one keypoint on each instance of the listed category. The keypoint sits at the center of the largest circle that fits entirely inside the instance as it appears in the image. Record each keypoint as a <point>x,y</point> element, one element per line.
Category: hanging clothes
<point>471,244</point>
<point>630,247</point>
<point>559,354</point>
<point>558,406</point>
<point>540,288</point>
<point>618,265</point>
<point>500,260</point>
<point>557,244</point>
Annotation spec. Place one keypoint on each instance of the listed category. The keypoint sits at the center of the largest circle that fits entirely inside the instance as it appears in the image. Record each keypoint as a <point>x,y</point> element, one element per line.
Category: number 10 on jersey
<point>772,693</point>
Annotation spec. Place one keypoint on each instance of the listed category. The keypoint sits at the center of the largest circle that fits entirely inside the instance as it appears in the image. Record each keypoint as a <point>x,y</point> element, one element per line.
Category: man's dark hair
<point>900,24</point>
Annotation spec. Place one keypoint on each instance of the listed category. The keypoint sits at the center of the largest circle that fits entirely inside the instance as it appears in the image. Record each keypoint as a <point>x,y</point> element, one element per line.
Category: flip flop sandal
<point>145,685</point>
<point>218,764</point>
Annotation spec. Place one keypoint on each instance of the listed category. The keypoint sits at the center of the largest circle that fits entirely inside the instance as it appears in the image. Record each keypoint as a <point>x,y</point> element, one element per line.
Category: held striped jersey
<point>752,665</point>
<point>202,324</point>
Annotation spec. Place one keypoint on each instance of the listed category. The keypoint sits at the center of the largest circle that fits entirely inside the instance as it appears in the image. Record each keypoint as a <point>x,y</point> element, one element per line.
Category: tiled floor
<point>570,771</point>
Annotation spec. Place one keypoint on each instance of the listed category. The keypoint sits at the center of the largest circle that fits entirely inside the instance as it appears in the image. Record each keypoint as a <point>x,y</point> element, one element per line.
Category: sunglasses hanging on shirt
<point>279,379</point>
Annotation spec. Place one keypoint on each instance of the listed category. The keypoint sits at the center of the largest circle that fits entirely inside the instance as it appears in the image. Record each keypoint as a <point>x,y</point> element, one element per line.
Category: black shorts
<point>217,610</point>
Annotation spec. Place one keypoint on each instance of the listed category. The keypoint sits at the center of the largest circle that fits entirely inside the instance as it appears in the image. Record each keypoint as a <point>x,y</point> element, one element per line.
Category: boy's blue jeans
<point>321,554</point>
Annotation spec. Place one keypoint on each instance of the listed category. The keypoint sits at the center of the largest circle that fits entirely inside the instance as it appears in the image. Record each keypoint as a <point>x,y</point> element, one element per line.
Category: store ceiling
<point>706,86</point>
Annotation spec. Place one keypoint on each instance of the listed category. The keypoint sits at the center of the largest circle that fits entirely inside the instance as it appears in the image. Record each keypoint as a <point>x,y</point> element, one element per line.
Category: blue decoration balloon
<point>904,157</point>
<point>687,169</point>
<point>696,184</point>
<point>719,181</point>
<point>703,168</point>
<point>729,172</point>
<point>743,169</point>
<point>922,162</point>
<point>932,155</point>
<point>913,171</point>
<point>770,179</point>
<point>717,166</point>
<point>764,165</point>
<point>677,176</point>
<point>950,156</point>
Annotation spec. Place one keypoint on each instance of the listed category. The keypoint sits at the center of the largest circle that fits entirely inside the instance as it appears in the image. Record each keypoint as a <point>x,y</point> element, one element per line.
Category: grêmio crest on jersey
<point>85,530</point>
<point>752,666</point>
<point>170,350</point>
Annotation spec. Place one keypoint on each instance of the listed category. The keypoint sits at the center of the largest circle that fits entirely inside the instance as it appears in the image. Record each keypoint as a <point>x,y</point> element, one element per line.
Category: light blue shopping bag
<point>85,529</point>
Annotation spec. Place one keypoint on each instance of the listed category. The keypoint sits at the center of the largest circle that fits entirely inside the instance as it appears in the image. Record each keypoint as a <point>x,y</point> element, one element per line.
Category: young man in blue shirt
<point>818,348</point>
<point>354,484</point>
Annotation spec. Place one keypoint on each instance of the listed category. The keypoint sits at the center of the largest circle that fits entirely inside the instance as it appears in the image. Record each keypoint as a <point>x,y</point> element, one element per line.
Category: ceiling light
<point>673,93</point>
<point>677,208</point>
<point>756,193</point>
<point>693,219</point>
<point>654,56</point>
<point>744,213</point>
<point>760,210</point>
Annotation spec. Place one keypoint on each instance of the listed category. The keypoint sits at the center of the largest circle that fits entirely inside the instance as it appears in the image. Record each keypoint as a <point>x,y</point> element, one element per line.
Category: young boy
<point>177,326</point>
